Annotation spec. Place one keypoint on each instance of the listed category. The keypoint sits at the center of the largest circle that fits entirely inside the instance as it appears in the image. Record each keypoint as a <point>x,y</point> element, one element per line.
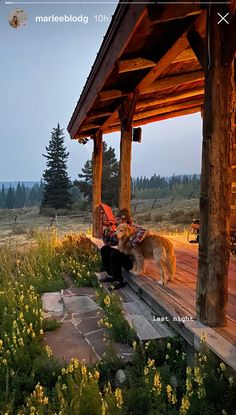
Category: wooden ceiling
<point>146,52</point>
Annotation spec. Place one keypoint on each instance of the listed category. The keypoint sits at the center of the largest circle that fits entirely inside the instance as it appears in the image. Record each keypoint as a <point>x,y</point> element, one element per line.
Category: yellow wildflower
<point>174,399</point>
<point>198,376</point>
<point>107,300</point>
<point>48,350</point>
<point>185,405</point>
<point>21,341</point>
<point>157,383</point>
<point>83,370</point>
<point>70,368</point>
<point>147,344</point>
<point>96,375</point>
<point>231,380</point>
<point>150,362</point>
<point>104,407</point>
<point>169,392</point>
<point>119,398</point>
<point>222,366</point>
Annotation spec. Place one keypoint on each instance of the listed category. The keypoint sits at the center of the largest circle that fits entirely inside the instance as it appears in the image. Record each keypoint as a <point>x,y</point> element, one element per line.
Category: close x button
<point>223,18</point>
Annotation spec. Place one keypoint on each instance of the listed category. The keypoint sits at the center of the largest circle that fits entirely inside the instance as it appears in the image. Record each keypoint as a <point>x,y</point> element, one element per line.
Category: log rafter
<point>172,53</point>
<point>156,86</point>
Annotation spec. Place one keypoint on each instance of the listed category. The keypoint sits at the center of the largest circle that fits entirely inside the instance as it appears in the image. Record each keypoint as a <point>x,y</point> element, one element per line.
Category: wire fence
<point>30,218</point>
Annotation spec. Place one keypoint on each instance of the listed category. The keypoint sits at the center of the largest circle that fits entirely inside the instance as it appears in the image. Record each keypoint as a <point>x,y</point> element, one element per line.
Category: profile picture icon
<point>17,18</point>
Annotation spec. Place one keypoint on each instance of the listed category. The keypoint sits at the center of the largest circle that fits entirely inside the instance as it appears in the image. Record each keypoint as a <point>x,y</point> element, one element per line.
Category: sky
<point>44,67</point>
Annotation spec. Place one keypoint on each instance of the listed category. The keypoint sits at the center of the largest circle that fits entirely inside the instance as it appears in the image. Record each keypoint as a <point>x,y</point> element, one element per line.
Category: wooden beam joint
<point>127,110</point>
<point>198,46</point>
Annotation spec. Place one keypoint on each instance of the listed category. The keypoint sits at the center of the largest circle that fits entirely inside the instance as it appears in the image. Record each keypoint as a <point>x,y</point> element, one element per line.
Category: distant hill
<point>14,184</point>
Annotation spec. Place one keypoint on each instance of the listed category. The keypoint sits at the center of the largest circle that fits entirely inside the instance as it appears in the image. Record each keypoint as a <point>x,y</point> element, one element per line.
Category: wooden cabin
<point>160,61</point>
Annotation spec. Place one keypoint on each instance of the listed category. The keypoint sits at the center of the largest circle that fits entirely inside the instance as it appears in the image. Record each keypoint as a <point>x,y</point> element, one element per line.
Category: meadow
<point>159,381</point>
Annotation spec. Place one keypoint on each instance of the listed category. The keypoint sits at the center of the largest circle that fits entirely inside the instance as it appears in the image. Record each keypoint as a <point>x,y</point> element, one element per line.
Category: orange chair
<point>106,219</point>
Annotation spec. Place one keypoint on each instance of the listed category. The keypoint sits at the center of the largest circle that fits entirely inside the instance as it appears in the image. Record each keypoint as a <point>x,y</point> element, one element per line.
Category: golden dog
<point>151,246</point>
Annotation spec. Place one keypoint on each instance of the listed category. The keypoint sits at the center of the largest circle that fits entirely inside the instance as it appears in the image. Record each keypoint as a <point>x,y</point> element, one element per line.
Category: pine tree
<point>57,184</point>
<point>3,197</point>
<point>85,185</point>
<point>10,198</point>
<point>110,177</point>
<point>20,195</point>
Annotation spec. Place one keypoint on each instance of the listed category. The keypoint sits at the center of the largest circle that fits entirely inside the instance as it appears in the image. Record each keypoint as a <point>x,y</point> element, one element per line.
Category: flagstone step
<point>140,316</point>
<point>52,304</point>
<point>79,304</point>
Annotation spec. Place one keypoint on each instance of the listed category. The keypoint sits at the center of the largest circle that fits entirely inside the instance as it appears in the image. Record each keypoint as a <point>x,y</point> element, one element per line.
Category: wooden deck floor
<point>182,292</point>
<point>178,299</point>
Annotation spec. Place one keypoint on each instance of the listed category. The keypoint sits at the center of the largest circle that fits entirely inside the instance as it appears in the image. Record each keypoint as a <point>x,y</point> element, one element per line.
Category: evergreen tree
<point>57,184</point>
<point>10,198</point>
<point>110,177</point>
<point>85,185</point>
<point>20,195</point>
<point>3,197</point>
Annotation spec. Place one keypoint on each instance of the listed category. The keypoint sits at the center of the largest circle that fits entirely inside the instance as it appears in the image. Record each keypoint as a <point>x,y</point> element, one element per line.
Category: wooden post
<point>97,181</point>
<point>126,116</point>
<point>214,247</point>
<point>125,169</point>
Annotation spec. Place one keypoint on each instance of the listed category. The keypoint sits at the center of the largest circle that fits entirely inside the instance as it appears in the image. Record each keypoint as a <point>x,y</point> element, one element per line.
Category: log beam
<point>98,114</point>
<point>88,127</point>
<point>173,51</point>
<point>186,55</point>
<point>170,81</point>
<point>135,64</point>
<point>97,181</point>
<point>158,85</point>
<point>156,118</point>
<point>170,98</point>
<point>198,46</point>
<point>214,247</point>
<point>126,112</point>
<point>111,94</point>
<point>171,108</point>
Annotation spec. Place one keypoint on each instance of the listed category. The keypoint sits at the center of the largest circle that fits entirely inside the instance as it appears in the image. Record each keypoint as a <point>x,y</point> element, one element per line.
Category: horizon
<point>16,181</point>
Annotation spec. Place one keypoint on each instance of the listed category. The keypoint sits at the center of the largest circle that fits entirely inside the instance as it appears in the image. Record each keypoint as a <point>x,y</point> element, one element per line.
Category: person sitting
<point>112,259</point>
<point>112,263</point>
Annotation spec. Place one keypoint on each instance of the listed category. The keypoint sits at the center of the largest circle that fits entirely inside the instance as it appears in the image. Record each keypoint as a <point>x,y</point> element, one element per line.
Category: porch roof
<point>146,52</point>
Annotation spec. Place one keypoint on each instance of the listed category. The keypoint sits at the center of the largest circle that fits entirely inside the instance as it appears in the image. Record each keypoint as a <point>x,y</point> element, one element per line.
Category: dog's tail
<point>170,260</point>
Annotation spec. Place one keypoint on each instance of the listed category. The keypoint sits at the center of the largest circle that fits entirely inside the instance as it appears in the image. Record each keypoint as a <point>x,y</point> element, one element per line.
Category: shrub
<point>50,324</point>
<point>159,217</point>
<point>182,216</point>
<point>80,258</point>
<point>114,321</point>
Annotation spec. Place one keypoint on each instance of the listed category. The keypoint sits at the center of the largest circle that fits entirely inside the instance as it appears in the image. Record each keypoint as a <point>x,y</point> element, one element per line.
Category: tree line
<point>57,191</point>
<point>21,196</point>
<point>155,187</point>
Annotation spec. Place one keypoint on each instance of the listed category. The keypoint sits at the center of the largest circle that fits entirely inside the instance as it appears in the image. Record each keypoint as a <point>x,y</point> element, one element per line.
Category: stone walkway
<point>79,335</point>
